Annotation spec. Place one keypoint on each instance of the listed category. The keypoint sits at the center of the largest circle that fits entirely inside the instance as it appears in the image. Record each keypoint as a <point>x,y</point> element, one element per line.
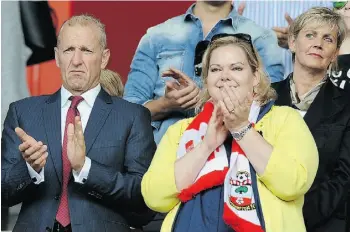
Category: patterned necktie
<point>63,210</point>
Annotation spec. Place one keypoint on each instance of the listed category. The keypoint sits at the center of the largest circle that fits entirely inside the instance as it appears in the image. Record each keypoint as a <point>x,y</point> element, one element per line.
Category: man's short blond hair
<point>86,20</point>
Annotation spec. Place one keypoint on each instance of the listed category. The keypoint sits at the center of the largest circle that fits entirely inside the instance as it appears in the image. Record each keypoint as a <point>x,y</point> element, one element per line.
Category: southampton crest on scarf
<point>239,203</point>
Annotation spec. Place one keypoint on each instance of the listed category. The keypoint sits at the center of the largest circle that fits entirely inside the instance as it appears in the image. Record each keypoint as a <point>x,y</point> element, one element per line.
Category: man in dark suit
<point>75,159</point>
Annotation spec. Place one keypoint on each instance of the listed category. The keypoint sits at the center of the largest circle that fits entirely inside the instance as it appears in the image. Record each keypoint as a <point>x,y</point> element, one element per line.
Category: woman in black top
<point>315,38</point>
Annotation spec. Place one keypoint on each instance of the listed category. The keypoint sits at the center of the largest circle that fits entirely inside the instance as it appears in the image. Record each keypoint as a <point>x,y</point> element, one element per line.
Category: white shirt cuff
<point>36,177</point>
<point>81,177</point>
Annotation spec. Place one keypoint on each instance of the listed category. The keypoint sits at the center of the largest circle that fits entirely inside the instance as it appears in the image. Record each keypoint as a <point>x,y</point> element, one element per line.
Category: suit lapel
<point>317,108</point>
<point>328,102</point>
<point>98,116</point>
<point>52,123</point>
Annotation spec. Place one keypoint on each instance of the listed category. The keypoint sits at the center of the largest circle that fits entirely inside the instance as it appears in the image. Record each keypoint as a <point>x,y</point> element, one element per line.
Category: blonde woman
<point>240,164</point>
<point>111,82</point>
<point>315,38</point>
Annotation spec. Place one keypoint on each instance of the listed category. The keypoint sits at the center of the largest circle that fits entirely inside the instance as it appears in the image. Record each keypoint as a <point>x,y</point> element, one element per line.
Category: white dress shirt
<point>84,108</point>
<point>302,113</point>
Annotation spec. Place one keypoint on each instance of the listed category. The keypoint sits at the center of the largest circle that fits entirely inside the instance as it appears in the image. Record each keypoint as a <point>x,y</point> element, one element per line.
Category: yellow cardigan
<point>288,175</point>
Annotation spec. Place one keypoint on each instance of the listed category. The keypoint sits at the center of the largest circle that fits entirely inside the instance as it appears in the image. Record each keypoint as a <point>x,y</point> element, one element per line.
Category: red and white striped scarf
<point>239,204</point>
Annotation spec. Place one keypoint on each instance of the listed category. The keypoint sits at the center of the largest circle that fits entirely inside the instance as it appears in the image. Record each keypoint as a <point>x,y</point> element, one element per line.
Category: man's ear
<point>105,58</point>
<point>56,57</point>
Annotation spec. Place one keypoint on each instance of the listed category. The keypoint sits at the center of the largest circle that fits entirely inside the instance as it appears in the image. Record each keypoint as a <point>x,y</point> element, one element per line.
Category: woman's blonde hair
<point>263,90</point>
<point>112,83</point>
<point>320,16</point>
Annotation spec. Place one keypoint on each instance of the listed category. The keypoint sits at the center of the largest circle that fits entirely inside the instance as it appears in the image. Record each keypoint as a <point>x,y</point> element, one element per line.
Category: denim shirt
<point>173,43</point>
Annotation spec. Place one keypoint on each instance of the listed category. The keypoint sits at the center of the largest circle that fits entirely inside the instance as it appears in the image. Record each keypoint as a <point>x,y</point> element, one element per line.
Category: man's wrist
<point>78,167</point>
<point>164,104</point>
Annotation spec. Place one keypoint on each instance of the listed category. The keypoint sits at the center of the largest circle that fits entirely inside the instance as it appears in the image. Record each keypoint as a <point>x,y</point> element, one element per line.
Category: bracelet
<point>240,134</point>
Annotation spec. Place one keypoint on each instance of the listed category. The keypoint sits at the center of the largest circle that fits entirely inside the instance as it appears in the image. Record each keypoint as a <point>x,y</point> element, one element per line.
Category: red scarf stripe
<point>207,181</point>
<point>238,223</point>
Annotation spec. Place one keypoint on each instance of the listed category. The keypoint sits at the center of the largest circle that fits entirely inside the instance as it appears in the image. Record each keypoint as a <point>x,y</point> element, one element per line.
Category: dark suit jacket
<point>328,119</point>
<point>119,142</point>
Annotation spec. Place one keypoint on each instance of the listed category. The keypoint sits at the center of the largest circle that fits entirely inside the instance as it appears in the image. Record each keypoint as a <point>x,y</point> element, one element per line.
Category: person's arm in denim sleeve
<point>270,54</point>
<point>143,76</point>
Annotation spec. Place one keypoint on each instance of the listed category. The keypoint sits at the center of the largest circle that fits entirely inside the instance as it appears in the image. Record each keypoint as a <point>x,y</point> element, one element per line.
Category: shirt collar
<point>189,12</point>
<point>89,96</point>
<point>303,103</point>
<point>190,15</point>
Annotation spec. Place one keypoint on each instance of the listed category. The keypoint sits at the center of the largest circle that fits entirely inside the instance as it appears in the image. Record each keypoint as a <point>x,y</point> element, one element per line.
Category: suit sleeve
<point>123,189</point>
<point>324,199</point>
<point>16,183</point>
